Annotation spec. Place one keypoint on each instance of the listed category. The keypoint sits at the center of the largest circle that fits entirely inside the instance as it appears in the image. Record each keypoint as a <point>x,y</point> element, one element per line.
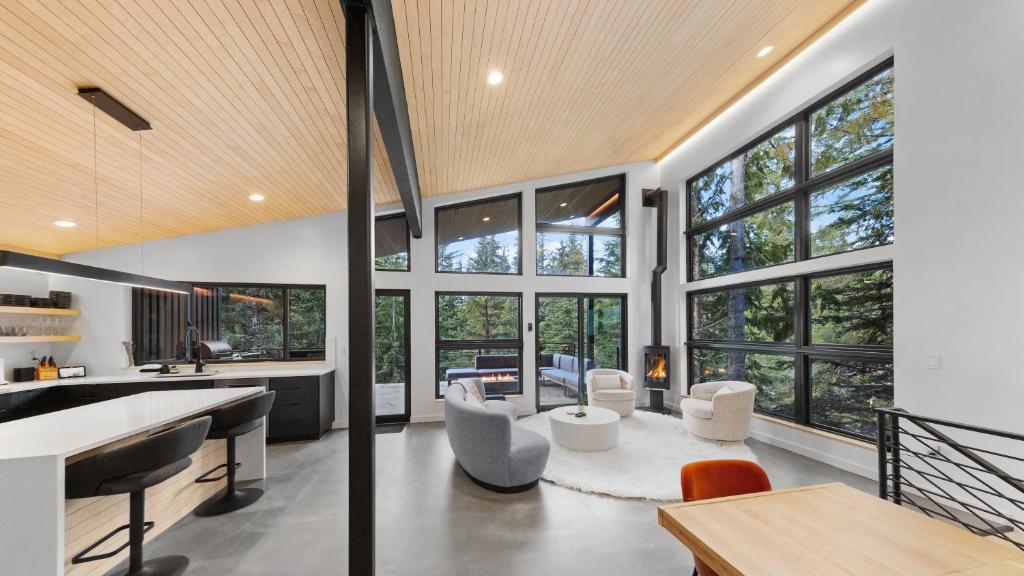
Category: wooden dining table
<point>830,529</point>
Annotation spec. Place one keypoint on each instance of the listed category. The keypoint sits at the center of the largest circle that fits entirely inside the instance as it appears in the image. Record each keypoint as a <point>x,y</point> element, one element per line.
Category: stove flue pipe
<point>658,199</point>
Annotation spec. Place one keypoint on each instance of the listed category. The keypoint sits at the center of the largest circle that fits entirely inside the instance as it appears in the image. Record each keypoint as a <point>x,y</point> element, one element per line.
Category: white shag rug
<point>644,464</point>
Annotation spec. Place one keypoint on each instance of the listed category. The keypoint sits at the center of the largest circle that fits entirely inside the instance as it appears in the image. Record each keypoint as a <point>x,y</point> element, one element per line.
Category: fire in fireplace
<point>656,367</point>
<point>498,378</point>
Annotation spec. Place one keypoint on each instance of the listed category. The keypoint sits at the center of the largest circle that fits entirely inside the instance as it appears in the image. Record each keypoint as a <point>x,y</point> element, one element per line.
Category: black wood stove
<point>657,357</point>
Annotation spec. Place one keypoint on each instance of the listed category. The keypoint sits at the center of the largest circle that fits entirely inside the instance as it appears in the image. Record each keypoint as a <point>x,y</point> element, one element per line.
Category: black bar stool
<point>130,469</point>
<point>230,422</point>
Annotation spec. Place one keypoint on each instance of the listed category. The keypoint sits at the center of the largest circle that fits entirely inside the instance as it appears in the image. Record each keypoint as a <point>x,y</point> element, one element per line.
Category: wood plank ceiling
<point>244,97</point>
<point>247,96</point>
<point>588,83</point>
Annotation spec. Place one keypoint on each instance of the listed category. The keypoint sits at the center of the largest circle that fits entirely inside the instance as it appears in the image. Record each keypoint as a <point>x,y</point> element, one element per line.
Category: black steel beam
<point>392,113</point>
<point>359,88</point>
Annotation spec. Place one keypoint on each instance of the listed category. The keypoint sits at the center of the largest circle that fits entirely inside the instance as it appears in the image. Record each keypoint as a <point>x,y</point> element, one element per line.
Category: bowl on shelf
<point>15,300</point>
<point>60,299</point>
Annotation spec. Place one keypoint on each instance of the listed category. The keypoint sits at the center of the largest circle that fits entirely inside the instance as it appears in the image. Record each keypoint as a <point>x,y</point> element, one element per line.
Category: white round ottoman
<point>598,430</point>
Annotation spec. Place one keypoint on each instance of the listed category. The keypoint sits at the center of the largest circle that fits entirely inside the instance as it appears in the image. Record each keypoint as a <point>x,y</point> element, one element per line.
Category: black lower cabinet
<point>79,395</point>
<point>5,407</point>
<point>29,403</point>
<point>303,408</point>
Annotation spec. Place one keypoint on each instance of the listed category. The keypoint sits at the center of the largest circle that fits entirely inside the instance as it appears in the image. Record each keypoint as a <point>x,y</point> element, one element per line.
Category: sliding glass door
<point>575,333</point>
<point>391,384</point>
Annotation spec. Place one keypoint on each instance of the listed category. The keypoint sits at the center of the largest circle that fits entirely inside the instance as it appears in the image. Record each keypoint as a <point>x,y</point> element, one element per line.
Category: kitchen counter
<point>68,432</point>
<point>33,453</point>
<point>280,370</point>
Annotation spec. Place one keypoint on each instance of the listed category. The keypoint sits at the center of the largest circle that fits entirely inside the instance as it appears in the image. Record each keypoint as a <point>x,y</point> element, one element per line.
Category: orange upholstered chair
<point>719,478</point>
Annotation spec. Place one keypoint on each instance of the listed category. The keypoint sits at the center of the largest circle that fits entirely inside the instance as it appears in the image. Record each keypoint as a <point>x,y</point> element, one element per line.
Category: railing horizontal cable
<point>965,506</point>
<point>921,467</point>
<point>900,413</point>
<point>977,488</point>
<point>967,446</point>
<point>994,472</point>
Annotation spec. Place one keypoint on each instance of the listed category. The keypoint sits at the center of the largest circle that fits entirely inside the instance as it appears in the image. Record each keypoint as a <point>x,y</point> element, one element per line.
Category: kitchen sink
<point>188,374</point>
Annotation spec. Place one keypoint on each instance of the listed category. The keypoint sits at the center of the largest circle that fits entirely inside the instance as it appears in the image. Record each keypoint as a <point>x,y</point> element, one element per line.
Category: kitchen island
<point>35,450</point>
<point>304,409</point>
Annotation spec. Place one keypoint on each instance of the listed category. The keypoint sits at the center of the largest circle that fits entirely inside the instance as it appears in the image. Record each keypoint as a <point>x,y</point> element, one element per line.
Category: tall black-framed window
<point>479,335</point>
<point>480,237</point>
<point>820,183</point>
<point>577,332</point>
<point>581,228</point>
<point>391,243</point>
<point>393,350</point>
<point>255,321</point>
<point>817,346</point>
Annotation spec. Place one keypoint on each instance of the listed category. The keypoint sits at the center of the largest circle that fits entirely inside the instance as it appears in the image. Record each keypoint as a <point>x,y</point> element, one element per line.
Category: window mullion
<point>802,216</point>
<point>285,312</point>
<point>802,337</point>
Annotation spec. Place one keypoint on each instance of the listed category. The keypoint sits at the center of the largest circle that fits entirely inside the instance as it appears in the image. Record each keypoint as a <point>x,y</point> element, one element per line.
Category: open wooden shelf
<point>39,311</point>
<point>30,339</point>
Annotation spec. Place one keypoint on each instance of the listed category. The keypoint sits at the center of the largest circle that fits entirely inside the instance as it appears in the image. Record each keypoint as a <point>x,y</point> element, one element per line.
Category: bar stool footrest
<point>81,557</point>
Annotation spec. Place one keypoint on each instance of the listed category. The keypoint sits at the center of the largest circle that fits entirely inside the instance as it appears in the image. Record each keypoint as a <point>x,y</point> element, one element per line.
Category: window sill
<point>822,433</point>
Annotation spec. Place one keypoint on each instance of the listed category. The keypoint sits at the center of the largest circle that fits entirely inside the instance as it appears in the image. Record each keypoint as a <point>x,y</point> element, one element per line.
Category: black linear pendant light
<point>19,261</point>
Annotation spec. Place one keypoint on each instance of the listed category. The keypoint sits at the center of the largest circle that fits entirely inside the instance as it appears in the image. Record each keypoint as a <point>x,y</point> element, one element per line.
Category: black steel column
<point>359,79</point>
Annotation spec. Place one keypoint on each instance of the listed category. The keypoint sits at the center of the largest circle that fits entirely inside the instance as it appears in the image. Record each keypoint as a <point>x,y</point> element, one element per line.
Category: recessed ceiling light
<point>65,224</point>
<point>495,78</point>
<point>564,204</point>
<point>460,237</point>
<point>487,218</point>
<point>257,197</point>
<point>764,51</point>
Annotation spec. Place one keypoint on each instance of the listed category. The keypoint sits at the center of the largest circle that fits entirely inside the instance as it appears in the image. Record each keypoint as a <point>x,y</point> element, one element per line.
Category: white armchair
<point>611,389</point>
<point>719,410</point>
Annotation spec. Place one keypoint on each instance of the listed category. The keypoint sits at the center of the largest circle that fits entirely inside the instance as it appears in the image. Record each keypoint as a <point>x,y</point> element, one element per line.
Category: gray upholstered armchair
<point>492,449</point>
<point>719,410</point>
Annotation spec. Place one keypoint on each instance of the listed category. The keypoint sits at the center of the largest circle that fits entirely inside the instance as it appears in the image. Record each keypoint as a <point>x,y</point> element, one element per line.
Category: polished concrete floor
<point>432,520</point>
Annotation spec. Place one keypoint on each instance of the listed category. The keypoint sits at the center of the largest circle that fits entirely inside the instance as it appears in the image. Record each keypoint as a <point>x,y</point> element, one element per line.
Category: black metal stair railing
<point>938,468</point>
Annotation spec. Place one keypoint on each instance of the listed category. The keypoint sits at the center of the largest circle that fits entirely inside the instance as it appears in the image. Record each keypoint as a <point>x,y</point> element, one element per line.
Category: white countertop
<point>75,430</point>
<point>214,372</point>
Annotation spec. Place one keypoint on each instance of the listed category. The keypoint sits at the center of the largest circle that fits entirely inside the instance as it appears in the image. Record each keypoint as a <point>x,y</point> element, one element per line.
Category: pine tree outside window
<point>581,228</point>
<point>480,237</point>
<point>819,346</point>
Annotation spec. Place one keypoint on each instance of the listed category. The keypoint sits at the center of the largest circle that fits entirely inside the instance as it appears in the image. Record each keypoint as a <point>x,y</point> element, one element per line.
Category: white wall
<point>303,251</point>
<point>959,116</point>
<point>424,282</point>
<point>959,122</point>
<point>21,355</point>
<point>312,250</point>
